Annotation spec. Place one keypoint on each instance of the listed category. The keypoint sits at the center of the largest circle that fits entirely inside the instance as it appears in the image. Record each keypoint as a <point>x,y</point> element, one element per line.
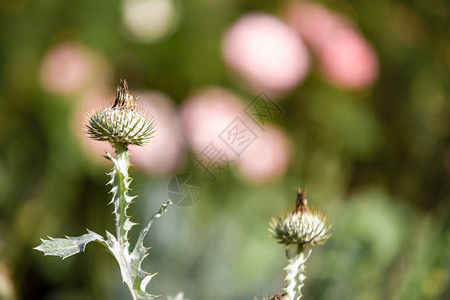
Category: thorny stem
<point>129,261</point>
<point>295,273</point>
<point>122,166</point>
<point>122,181</point>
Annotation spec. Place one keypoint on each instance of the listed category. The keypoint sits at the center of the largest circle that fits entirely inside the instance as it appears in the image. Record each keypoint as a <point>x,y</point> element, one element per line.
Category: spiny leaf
<point>142,278</point>
<point>68,246</point>
<point>130,267</point>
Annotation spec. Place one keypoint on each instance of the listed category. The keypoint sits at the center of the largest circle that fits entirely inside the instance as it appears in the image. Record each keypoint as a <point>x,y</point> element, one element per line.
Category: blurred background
<point>349,99</point>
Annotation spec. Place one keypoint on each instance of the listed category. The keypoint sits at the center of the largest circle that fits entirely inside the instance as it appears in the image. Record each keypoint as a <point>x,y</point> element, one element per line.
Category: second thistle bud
<point>122,124</point>
<point>301,226</point>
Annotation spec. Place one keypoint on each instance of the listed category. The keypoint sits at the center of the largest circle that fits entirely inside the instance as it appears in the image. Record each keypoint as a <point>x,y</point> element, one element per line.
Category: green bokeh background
<point>376,161</point>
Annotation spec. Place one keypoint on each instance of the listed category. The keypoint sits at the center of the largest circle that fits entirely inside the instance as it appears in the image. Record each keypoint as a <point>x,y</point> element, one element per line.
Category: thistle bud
<point>301,226</point>
<point>123,123</point>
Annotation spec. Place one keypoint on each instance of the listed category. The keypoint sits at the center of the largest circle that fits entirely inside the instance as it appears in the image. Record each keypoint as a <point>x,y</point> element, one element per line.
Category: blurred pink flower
<point>266,53</point>
<point>348,60</point>
<point>267,157</point>
<point>166,152</point>
<point>206,114</point>
<point>69,68</point>
<point>345,57</point>
<point>313,21</point>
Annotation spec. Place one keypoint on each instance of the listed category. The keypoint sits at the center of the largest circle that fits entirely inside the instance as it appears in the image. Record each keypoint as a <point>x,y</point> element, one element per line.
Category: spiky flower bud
<point>123,123</point>
<point>301,226</point>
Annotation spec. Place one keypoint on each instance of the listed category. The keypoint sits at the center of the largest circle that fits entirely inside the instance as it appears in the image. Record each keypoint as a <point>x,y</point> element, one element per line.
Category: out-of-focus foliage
<point>376,159</point>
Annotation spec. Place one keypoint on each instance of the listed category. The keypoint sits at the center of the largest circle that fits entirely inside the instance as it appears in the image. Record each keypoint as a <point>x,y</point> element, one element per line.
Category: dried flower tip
<point>122,124</point>
<point>302,204</point>
<point>124,99</point>
<point>300,226</point>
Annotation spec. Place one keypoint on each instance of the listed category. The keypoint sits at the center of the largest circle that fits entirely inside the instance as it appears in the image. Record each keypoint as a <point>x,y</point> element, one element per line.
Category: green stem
<point>295,273</point>
<point>122,182</point>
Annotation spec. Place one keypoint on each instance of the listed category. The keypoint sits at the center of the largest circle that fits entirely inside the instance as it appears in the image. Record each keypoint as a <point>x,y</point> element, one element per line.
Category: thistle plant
<point>121,124</point>
<point>301,229</point>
